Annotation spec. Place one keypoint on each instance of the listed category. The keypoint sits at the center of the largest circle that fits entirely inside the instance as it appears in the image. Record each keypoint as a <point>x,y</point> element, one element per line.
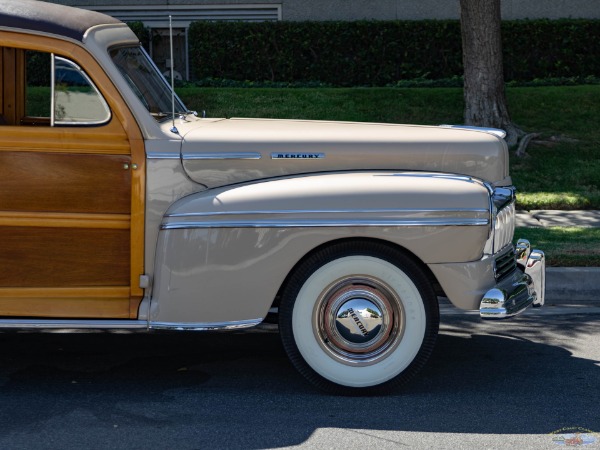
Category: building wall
<point>432,9</point>
<point>377,9</point>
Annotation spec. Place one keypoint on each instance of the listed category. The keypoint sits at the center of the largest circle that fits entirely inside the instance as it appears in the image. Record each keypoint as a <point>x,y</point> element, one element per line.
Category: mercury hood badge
<point>277,155</point>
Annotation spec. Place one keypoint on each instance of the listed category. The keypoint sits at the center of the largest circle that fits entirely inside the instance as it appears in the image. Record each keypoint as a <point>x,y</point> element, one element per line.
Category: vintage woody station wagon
<point>116,213</point>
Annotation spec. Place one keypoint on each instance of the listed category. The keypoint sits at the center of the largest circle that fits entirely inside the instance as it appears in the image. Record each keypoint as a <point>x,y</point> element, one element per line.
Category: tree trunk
<point>484,93</point>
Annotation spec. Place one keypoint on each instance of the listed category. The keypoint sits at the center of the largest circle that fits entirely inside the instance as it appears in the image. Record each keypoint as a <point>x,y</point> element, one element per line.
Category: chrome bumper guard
<point>525,288</point>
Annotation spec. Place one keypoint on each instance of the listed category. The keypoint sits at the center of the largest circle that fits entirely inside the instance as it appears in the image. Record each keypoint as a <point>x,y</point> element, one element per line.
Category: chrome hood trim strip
<point>494,131</point>
<point>220,156</point>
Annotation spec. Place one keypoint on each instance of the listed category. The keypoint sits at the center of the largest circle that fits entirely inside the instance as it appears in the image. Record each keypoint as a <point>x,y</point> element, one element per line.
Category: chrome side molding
<point>76,324</point>
<point>123,325</point>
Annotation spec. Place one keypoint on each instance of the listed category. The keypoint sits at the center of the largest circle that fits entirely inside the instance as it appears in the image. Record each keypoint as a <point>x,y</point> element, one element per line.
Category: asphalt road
<point>488,385</point>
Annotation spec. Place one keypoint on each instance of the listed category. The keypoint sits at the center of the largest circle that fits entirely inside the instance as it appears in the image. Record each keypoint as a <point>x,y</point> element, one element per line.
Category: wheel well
<point>430,276</point>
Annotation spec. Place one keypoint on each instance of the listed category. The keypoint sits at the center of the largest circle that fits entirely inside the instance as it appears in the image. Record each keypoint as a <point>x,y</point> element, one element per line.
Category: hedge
<point>379,53</point>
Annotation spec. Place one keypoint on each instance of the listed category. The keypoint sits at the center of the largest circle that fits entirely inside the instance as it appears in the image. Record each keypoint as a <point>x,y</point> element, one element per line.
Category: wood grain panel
<point>47,182</point>
<point>62,220</point>
<point>84,255</point>
<point>2,119</point>
<point>63,257</point>
<point>138,195</point>
<point>109,139</point>
<point>102,303</point>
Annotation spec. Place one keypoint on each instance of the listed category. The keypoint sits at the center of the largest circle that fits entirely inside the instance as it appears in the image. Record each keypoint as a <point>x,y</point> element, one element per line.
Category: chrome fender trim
<point>205,326</point>
<point>307,223</point>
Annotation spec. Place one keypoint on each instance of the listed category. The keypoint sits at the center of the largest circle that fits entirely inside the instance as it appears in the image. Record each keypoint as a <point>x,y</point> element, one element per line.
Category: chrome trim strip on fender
<point>221,156</point>
<point>205,326</point>
<point>63,324</point>
<point>329,211</point>
<point>327,223</point>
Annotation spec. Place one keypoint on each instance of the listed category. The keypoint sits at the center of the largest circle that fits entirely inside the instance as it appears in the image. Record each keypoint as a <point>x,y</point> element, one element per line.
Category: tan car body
<point>230,206</point>
<point>121,210</point>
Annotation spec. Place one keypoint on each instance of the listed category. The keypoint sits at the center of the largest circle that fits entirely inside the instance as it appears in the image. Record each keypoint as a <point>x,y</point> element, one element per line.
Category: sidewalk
<point>558,218</point>
<point>567,285</point>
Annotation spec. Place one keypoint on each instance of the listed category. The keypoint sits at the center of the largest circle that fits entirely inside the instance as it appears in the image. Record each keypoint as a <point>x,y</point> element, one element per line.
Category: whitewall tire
<point>358,317</point>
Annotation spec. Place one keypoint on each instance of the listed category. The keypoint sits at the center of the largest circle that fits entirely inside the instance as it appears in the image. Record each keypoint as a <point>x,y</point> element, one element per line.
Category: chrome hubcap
<point>358,320</point>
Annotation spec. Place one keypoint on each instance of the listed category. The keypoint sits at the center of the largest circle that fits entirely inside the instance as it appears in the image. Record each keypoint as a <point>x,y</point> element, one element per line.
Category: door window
<point>58,92</point>
<point>76,99</point>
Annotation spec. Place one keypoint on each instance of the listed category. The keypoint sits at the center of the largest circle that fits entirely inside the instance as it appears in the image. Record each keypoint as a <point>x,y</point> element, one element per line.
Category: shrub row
<point>380,53</point>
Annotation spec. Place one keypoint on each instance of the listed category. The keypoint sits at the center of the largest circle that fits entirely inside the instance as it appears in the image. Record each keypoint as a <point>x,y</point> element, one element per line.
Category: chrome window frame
<point>53,121</point>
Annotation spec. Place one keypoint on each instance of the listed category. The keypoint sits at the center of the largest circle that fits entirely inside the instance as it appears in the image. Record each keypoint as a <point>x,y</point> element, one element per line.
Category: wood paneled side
<point>62,220</point>
<point>2,120</point>
<point>101,303</point>
<point>109,139</point>
<point>66,227</point>
<point>138,193</point>
<point>67,183</point>
<point>63,257</point>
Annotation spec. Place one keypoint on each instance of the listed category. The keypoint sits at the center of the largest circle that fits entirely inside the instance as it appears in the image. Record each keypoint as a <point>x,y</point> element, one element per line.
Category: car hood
<point>222,152</point>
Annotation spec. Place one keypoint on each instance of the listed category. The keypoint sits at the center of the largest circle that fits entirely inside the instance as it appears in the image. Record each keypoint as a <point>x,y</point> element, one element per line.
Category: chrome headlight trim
<point>502,219</point>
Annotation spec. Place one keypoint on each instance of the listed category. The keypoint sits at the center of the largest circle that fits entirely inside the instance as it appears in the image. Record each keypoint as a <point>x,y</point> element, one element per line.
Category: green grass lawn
<point>565,246</point>
<point>561,175</point>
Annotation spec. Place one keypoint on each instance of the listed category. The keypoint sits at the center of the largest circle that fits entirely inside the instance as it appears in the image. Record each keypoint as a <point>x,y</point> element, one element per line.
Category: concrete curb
<point>573,286</point>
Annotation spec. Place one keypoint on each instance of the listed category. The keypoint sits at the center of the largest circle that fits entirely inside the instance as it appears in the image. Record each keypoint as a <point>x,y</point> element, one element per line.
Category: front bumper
<point>525,288</point>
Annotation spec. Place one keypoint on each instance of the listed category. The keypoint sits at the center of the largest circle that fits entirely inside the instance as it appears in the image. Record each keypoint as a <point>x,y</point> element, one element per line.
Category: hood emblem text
<point>277,155</point>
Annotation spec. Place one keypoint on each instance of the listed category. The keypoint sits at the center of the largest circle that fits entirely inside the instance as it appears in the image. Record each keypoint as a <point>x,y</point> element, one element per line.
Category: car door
<point>71,187</point>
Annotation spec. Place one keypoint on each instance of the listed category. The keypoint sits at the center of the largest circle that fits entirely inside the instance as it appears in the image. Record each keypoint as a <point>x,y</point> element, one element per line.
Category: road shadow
<point>238,390</point>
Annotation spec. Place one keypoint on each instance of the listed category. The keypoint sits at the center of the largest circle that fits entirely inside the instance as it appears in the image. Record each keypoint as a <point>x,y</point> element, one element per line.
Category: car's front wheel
<point>358,318</point>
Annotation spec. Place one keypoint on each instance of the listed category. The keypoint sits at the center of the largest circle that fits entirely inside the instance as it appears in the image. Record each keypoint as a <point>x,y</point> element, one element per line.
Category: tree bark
<point>484,92</point>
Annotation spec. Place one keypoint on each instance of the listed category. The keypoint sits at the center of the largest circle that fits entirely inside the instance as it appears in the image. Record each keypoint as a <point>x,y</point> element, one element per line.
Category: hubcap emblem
<point>359,320</point>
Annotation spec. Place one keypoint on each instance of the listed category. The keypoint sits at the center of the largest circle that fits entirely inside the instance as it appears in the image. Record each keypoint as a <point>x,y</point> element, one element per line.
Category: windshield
<point>146,81</point>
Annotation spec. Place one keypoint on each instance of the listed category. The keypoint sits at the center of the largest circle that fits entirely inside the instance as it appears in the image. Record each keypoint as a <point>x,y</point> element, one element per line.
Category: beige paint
<point>190,267</point>
<point>466,283</point>
<point>344,146</point>
<point>243,240</point>
<point>225,267</point>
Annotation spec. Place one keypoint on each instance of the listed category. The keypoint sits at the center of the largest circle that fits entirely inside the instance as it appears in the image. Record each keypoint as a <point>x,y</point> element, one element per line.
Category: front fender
<point>224,253</point>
